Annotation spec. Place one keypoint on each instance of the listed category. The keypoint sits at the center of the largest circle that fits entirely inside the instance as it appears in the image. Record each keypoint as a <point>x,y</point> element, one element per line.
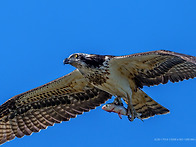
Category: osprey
<point>96,79</point>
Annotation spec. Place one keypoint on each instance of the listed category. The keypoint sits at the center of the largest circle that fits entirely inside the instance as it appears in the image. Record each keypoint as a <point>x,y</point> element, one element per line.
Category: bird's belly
<point>116,85</point>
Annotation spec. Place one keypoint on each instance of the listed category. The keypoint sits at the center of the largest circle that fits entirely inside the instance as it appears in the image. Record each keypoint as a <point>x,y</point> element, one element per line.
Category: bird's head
<point>75,59</point>
<point>79,60</point>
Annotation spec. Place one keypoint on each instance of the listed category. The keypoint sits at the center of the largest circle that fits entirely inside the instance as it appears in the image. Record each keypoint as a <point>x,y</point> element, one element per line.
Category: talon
<point>118,101</point>
<point>132,114</point>
<point>130,118</point>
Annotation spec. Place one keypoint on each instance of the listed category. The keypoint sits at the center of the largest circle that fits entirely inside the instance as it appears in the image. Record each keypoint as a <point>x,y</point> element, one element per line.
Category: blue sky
<point>36,35</point>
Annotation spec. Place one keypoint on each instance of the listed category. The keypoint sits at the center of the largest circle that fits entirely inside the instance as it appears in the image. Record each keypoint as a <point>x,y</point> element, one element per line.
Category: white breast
<point>116,84</point>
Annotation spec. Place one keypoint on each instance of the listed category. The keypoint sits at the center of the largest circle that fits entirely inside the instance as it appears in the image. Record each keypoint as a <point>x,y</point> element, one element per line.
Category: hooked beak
<point>66,61</point>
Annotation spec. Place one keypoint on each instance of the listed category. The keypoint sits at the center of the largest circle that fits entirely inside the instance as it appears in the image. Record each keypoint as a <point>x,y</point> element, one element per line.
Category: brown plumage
<point>51,103</point>
<point>156,67</point>
<point>97,78</point>
<point>146,106</point>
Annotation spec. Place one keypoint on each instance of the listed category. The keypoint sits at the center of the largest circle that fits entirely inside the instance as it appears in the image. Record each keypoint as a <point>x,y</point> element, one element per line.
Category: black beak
<point>66,61</point>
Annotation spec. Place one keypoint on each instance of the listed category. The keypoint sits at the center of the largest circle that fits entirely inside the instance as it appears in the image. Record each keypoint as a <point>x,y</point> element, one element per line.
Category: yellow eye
<point>76,56</point>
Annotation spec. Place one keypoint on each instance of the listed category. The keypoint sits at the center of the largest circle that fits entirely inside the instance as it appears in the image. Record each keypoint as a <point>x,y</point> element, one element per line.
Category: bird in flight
<point>96,79</point>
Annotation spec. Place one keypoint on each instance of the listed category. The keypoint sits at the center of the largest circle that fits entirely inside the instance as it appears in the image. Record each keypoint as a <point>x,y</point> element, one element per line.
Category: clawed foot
<point>133,114</point>
<point>118,101</point>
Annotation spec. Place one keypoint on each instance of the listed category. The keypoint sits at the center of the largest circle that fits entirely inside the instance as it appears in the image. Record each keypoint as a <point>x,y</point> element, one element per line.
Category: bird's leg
<point>118,101</point>
<point>131,112</point>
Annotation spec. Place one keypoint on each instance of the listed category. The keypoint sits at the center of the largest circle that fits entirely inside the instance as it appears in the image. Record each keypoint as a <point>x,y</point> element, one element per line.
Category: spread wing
<point>155,67</point>
<point>51,103</point>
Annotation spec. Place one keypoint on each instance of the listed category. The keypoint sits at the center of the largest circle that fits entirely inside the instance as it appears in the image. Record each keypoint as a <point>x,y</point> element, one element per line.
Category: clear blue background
<point>36,35</point>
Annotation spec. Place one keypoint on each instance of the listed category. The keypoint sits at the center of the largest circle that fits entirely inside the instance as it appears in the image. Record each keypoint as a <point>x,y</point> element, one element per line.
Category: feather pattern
<point>156,67</point>
<point>89,86</point>
<point>51,103</point>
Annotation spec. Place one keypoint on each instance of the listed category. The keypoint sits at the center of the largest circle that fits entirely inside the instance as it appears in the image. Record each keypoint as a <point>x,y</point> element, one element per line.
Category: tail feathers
<point>146,106</point>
